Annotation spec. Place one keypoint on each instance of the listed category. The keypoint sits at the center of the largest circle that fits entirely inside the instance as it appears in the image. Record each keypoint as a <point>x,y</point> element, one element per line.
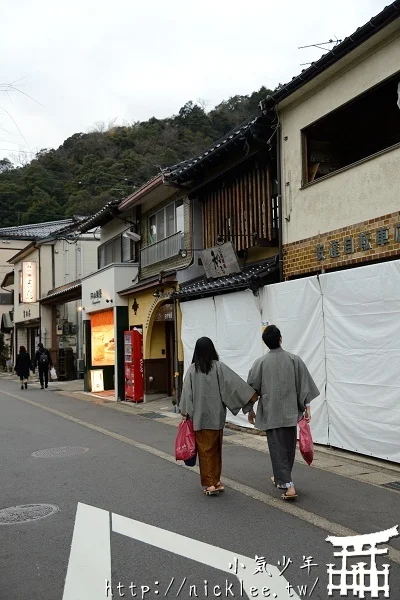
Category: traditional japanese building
<point>232,187</point>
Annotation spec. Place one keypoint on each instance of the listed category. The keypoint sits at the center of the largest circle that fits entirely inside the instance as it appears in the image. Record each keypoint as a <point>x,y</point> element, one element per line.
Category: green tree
<point>43,208</point>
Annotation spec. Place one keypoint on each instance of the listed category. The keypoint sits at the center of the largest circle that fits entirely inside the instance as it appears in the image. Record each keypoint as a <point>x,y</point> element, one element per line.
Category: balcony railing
<point>162,250</point>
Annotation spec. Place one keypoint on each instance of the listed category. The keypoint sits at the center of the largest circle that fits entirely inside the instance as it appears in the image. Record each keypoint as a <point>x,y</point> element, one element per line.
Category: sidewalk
<point>360,468</point>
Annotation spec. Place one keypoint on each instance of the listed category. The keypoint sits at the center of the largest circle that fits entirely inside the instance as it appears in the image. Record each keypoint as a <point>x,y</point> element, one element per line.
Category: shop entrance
<point>159,366</point>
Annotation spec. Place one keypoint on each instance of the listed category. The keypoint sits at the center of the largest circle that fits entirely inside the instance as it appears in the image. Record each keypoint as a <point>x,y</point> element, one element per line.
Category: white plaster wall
<point>88,257</point>
<point>117,226</point>
<point>46,324</point>
<point>109,280</point>
<point>72,261</point>
<point>363,192</point>
<point>46,272</point>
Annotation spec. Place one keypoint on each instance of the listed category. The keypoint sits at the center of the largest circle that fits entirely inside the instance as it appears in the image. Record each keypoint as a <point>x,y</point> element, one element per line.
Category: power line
<point>18,151</point>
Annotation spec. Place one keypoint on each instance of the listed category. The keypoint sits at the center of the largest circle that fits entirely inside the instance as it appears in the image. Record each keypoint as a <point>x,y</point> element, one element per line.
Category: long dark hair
<point>204,355</point>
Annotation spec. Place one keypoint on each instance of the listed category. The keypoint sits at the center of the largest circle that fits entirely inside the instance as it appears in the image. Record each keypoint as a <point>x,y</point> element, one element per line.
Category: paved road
<point>127,480</point>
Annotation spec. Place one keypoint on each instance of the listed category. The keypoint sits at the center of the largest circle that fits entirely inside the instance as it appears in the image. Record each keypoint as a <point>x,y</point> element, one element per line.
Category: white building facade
<point>47,294</point>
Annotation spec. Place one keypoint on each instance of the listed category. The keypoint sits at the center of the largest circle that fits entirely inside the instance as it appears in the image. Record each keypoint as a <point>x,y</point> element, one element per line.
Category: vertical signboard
<point>29,282</point>
<point>103,342</point>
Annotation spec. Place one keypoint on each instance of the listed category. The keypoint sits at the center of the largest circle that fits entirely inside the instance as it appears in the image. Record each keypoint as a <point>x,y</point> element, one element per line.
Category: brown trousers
<point>209,450</point>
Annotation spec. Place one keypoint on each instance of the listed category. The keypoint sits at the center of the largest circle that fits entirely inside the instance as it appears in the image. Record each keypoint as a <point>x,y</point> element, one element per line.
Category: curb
<point>132,408</point>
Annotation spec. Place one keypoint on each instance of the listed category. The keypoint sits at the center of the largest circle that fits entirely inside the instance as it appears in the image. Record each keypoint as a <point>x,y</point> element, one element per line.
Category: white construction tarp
<point>344,325</point>
<point>233,323</point>
<point>362,320</point>
<point>198,320</point>
<point>295,307</point>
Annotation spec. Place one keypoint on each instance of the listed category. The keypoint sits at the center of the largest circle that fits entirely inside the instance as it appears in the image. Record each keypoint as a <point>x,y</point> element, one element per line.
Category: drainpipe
<point>176,362</point>
<point>280,210</point>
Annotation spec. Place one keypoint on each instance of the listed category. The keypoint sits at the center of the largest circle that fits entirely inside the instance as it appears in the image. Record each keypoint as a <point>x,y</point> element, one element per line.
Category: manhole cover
<point>393,485</point>
<point>25,513</point>
<point>59,452</point>
<point>151,415</point>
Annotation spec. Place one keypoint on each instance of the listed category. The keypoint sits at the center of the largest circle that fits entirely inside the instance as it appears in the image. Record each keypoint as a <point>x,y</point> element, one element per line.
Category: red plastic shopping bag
<point>306,442</point>
<point>185,443</point>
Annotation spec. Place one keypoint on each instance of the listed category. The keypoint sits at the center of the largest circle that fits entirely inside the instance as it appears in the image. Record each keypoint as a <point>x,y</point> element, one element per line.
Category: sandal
<point>220,487</point>
<point>289,496</point>
<point>211,491</point>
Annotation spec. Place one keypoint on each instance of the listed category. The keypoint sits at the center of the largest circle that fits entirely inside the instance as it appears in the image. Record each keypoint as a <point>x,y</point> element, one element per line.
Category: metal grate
<point>393,485</point>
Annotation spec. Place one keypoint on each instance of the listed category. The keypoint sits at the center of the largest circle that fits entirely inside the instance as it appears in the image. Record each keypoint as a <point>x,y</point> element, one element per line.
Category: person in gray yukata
<point>285,388</point>
<point>209,389</point>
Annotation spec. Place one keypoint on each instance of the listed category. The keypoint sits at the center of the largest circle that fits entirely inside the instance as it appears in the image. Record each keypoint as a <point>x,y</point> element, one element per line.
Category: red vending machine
<point>133,351</point>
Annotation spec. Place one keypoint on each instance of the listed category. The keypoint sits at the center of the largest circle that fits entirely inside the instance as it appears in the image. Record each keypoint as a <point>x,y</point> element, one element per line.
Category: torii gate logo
<point>360,579</point>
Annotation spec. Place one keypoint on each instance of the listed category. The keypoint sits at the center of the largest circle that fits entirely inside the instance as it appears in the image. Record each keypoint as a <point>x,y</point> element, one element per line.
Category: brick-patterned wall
<point>333,250</point>
<point>176,261</point>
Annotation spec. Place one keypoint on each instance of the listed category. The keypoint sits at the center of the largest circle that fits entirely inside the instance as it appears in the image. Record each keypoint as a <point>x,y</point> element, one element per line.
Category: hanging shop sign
<point>220,261</point>
<point>103,339</point>
<point>29,282</point>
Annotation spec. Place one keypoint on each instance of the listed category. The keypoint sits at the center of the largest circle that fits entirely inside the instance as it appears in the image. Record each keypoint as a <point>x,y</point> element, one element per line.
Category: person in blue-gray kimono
<point>209,388</point>
<point>286,389</point>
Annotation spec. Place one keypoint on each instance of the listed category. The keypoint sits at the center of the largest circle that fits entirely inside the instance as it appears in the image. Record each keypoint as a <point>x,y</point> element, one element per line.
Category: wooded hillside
<point>89,169</point>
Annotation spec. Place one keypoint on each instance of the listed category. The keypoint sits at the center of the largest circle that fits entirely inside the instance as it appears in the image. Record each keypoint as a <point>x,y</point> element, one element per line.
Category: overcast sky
<point>88,61</point>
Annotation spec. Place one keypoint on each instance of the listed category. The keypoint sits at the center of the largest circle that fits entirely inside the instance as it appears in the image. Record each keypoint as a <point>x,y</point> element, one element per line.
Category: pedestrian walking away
<point>23,366</point>
<point>44,363</point>
<point>286,390</point>
<point>209,388</point>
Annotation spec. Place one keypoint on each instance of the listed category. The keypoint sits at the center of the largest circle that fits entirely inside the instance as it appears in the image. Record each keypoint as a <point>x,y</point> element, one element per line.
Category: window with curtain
<point>166,222</point>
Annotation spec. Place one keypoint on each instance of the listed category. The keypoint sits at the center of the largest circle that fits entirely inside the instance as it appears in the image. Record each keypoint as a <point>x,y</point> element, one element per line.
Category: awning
<point>147,284</point>
<point>252,277</point>
<point>63,294</point>
<point>7,324</point>
<point>8,279</point>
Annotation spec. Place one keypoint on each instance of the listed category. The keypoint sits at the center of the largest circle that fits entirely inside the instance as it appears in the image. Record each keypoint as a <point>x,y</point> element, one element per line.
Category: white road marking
<point>206,554</point>
<point>90,557</point>
<point>307,516</point>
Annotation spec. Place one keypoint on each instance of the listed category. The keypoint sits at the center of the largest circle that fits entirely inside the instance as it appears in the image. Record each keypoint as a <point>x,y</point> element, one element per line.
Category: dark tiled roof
<point>103,216</point>
<point>251,277</point>
<point>36,231</point>
<point>184,169</point>
<point>63,290</point>
<point>389,14</point>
